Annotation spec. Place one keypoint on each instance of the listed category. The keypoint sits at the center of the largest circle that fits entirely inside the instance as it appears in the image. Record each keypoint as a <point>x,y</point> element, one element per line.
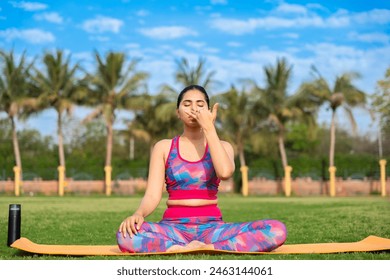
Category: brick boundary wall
<point>257,186</point>
<point>119,187</point>
<point>309,187</point>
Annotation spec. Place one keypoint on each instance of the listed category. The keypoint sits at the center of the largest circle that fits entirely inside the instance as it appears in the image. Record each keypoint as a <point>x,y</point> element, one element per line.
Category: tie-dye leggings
<point>255,236</point>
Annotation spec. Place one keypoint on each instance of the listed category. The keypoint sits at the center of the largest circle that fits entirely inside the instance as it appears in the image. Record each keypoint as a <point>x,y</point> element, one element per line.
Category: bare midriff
<point>191,202</point>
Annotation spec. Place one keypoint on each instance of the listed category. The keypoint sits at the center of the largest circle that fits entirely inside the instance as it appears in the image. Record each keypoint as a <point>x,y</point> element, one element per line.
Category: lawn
<point>94,220</point>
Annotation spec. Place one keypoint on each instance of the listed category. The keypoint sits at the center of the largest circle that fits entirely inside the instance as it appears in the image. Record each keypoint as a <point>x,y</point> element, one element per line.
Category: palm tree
<point>113,87</point>
<point>186,75</point>
<point>59,89</point>
<point>156,120</point>
<point>236,115</point>
<point>381,104</point>
<point>15,96</point>
<point>276,100</point>
<point>344,95</point>
<point>276,107</point>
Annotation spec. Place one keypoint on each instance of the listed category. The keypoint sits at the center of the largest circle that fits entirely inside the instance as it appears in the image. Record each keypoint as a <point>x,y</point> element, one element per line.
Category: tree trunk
<point>109,143</point>
<point>282,150</point>
<point>332,138</point>
<point>380,143</point>
<point>60,140</point>
<point>131,148</point>
<point>243,169</point>
<point>241,154</point>
<point>15,143</point>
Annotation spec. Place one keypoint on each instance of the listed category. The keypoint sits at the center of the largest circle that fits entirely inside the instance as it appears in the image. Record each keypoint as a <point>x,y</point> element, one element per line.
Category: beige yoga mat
<point>371,243</point>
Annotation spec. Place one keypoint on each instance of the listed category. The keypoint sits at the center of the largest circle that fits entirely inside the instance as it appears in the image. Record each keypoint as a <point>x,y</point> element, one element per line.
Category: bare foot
<point>193,245</point>
<point>207,247</point>
<point>176,248</point>
<point>198,245</point>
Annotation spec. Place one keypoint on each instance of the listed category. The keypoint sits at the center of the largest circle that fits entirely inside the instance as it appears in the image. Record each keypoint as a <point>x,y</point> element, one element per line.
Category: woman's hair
<point>193,87</point>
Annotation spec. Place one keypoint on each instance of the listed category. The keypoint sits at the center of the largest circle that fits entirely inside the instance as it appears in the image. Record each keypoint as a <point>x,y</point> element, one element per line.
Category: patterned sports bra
<point>190,179</point>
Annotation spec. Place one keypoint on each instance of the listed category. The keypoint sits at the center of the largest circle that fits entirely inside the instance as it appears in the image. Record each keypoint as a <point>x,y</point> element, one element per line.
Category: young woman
<point>191,166</point>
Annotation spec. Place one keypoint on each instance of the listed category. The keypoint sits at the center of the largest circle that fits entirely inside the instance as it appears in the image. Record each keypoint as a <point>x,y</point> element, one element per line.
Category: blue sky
<point>237,38</point>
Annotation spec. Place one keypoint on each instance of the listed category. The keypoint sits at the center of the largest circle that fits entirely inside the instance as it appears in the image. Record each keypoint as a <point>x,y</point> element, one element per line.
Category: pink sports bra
<point>190,179</point>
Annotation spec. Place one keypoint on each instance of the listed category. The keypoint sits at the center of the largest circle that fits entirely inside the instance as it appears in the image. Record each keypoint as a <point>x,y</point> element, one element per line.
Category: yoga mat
<point>371,243</point>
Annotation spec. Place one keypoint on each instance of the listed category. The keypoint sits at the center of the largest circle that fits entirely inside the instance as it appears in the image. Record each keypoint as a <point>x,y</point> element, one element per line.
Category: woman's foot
<point>193,245</point>
<point>176,248</point>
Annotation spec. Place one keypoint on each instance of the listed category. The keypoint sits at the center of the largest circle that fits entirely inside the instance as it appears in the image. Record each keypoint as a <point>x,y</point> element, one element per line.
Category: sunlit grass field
<point>94,220</point>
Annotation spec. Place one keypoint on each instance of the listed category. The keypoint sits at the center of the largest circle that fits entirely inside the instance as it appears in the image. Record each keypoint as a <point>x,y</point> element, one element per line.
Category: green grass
<point>94,221</point>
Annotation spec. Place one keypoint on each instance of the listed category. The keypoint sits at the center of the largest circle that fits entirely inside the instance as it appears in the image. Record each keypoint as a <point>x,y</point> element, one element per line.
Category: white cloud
<point>378,16</point>
<point>291,8</point>
<point>233,26</point>
<point>167,32</point>
<point>34,36</point>
<point>101,24</point>
<point>265,56</point>
<point>333,60</point>
<point>375,37</point>
<point>315,6</point>
<point>337,21</point>
<point>330,50</point>
<point>28,6</point>
<point>341,18</point>
<point>161,70</point>
<point>239,27</point>
<point>330,59</point>
<point>137,51</point>
<point>232,71</point>
<point>50,17</point>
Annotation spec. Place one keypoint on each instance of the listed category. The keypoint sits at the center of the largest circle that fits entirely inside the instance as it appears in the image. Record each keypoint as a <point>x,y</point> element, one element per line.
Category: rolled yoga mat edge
<point>370,243</point>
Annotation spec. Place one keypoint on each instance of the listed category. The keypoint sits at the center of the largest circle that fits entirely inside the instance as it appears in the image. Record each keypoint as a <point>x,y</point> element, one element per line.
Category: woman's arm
<point>222,153</point>
<point>153,191</point>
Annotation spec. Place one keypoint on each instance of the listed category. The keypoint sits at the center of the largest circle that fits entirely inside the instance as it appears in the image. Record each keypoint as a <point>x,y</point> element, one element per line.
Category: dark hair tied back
<point>193,87</point>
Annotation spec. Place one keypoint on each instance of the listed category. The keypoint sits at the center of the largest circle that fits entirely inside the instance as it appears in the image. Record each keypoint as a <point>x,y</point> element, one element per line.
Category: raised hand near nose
<point>205,118</point>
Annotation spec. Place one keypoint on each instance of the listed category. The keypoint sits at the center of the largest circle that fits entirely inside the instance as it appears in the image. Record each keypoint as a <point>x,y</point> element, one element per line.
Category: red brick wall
<point>257,186</point>
<point>307,187</point>
<point>125,187</point>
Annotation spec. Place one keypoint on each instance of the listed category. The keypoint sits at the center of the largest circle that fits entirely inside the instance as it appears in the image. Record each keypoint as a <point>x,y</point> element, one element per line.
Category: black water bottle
<point>14,220</point>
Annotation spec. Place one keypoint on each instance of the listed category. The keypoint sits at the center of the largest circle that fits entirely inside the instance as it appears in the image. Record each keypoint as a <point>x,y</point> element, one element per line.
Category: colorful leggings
<point>255,236</point>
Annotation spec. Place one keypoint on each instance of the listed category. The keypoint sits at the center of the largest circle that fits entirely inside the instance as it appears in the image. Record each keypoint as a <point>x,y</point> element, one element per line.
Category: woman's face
<point>193,100</point>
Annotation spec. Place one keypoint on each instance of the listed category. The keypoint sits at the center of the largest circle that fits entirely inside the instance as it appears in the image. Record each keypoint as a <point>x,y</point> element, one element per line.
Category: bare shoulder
<point>162,144</point>
<point>163,147</point>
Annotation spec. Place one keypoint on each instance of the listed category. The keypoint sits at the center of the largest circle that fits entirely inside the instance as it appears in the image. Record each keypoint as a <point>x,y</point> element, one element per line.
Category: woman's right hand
<point>131,225</point>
